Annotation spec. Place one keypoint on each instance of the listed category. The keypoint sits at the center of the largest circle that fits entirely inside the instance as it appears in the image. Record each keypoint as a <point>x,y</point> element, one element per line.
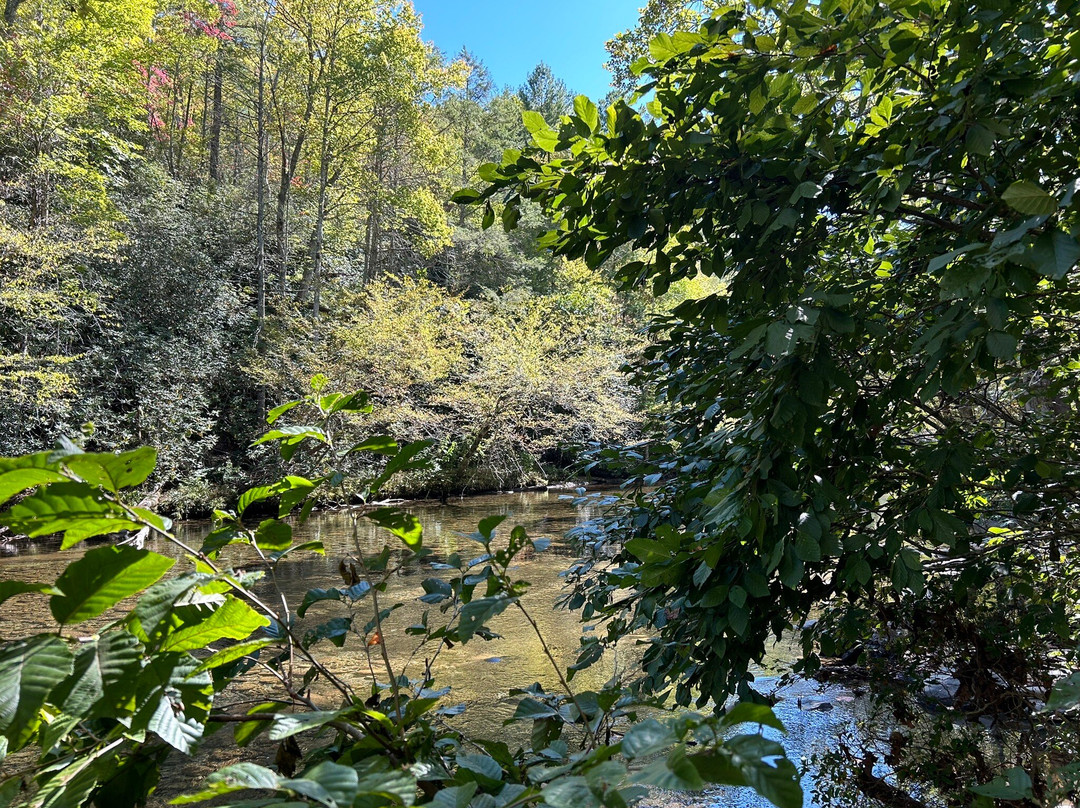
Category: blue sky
<point>512,37</point>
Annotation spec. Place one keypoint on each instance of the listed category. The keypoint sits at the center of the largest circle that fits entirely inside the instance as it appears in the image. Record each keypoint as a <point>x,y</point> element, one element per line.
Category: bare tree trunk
<point>217,113</point>
<point>262,170</point>
<point>11,8</point>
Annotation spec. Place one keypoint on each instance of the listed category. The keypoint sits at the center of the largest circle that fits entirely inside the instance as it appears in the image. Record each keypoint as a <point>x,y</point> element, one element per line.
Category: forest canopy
<point>851,231</point>
<point>197,199</point>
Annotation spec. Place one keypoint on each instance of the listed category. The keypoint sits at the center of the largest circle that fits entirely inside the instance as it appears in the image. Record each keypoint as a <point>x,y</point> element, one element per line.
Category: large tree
<point>878,419</point>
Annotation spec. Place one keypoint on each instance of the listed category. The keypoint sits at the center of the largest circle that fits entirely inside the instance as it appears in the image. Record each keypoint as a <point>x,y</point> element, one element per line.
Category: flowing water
<point>479,673</point>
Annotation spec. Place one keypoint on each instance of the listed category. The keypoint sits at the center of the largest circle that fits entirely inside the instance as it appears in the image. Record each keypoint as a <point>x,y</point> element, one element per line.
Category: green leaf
<point>543,135</point>
<point>674,772</point>
<point>1014,784</point>
<point>487,525</point>
<point>18,480</point>
<point>531,709</point>
<point>979,140</point>
<point>285,726</point>
<point>280,410</point>
<point>335,630</point>
<point>77,510</point>
<point>234,620</point>
<point>455,796</point>
<point>9,589</point>
<point>401,523</point>
<point>1001,345</point>
<point>231,654</point>
<point>330,783</point>
<point>588,113</point>
<point>29,670</point>
<point>747,712</point>
<point>273,536</point>
<point>113,472</point>
<point>1028,198</point>
<point>238,777</point>
<point>488,773</point>
<point>465,196</point>
<point>766,770</point>
<point>1055,254</point>
<point>292,433</point>
<point>647,738</point>
<point>102,578</point>
<point>379,444</point>
<point>476,613</point>
<point>155,606</point>
<point>313,596</point>
<point>101,667</point>
<point>570,792</point>
<point>1066,694</point>
<point>346,402</point>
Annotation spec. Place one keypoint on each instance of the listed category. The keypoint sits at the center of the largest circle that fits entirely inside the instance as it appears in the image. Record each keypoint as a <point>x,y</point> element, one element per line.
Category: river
<point>481,673</point>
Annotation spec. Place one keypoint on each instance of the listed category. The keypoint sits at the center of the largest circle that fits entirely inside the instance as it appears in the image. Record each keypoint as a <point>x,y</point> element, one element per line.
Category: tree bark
<point>11,8</point>
<point>218,110</point>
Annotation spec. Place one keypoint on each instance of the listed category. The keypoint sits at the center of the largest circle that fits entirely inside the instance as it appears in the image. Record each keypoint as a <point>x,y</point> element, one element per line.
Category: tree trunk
<point>217,114</point>
<point>260,223</point>
<point>11,8</point>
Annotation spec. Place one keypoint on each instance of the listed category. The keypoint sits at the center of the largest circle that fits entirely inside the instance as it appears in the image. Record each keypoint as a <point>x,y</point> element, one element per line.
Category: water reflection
<point>479,673</point>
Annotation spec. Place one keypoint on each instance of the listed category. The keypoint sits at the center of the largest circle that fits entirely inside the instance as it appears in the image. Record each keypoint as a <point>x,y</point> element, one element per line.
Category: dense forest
<point>806,283</point>
<point>203,205</point>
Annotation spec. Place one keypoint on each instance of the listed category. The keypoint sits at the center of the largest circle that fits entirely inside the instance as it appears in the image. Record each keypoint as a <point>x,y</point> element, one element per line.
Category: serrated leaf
<point>102,578</point>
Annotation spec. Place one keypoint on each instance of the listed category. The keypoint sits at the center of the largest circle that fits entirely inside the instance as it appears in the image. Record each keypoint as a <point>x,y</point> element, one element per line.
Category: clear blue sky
<point>512,37</point>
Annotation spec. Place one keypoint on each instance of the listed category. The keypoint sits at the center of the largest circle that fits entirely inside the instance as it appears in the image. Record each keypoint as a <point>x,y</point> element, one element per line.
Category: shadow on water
<point>479,673</point>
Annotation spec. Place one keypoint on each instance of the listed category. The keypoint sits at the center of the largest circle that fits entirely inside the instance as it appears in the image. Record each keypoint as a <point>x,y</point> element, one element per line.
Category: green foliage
<point>875,420</point>
<point>502,385</point>
<point>100,714</point>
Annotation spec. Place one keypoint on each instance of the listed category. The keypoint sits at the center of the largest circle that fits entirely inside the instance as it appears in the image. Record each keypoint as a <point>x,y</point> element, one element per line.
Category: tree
<point>877,419</point>
<point>655,17</point>
<point>543,92</point>
<point>69,96</point>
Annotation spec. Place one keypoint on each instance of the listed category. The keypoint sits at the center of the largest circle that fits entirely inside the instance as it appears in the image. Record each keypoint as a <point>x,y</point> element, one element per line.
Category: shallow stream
<point>480,674</point>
